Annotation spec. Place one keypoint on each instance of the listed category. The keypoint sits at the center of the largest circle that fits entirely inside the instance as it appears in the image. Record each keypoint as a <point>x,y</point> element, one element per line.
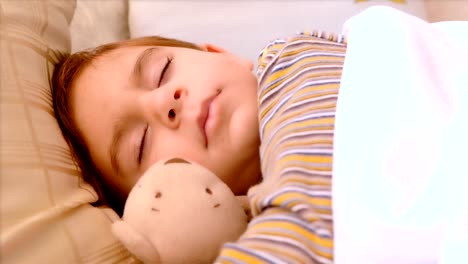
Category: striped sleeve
<point>299,80</point>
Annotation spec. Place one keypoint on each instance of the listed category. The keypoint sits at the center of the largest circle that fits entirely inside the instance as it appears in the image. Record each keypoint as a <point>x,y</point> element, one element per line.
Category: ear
<point>135,242</point>
<point>216,49</point>
<point>212,48</point>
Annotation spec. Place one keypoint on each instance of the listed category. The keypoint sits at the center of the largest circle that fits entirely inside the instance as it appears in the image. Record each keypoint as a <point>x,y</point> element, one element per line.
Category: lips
<point>204,115</point>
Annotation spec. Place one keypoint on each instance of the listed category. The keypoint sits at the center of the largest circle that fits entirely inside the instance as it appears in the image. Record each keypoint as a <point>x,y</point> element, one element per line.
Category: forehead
<point>101,77</point>
<point>95,78</point>
<point>109,59</point>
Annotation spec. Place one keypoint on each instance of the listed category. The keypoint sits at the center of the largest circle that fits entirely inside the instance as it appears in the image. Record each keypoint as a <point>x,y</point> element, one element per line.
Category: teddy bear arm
<point>135,242</point>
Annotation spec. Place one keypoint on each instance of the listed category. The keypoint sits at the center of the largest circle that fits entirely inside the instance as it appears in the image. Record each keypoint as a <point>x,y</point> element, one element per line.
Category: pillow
<point>87,28</point>
<point>447,10</point>
<point>244,27</point>
<point>45,215</point>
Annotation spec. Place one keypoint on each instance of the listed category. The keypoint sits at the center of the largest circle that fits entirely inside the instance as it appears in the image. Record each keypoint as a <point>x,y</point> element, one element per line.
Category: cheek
<point>244,128</point>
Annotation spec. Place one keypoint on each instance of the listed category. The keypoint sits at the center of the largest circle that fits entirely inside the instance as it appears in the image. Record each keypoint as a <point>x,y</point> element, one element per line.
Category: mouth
<point>204,116</point>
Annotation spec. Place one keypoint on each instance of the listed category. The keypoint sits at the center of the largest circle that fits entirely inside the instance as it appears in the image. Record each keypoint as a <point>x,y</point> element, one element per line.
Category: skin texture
<point>203,108</point>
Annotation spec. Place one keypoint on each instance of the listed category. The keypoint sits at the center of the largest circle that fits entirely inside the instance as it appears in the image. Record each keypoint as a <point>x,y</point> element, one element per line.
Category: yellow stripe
<point>308,142</point>
<point>325,242</point>
<point>325,182</point>
<point>296,195</point>
<point>241,256</point>
<point>311,248</point>
<point>290,52</point>
<point>314,75</point>
<point>300,126</point>
<point>320,88</point>
<point>291,114</point>
<point>291,254</point>
<point>317,90</point>
<point>310,168</point>
<point>317,121</point>
<point>297,67</point>
<point>328,88</point>
<point>312,159</point>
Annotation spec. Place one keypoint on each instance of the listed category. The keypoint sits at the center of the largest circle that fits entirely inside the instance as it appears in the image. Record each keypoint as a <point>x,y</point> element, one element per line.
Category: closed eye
<point>164,70</point>
<point>142,145</point>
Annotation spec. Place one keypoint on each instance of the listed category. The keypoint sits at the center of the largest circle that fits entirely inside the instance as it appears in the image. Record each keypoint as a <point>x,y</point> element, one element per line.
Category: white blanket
<point>400,186</point>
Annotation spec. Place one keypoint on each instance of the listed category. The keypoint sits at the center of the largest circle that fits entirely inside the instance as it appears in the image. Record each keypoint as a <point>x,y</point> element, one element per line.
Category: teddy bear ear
<point>136,243</point>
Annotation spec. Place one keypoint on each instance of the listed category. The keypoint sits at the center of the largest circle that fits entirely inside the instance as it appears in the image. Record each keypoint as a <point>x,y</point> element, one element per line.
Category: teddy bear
<point>180,212</point>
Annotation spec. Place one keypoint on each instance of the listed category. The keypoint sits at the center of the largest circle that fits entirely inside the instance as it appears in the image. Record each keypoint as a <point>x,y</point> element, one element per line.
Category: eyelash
<point>143,137</point>
<point>142,144</point>
<point>163,72</point>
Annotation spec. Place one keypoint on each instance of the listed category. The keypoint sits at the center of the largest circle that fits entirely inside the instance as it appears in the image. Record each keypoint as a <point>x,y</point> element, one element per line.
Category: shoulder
<point>281,50</point>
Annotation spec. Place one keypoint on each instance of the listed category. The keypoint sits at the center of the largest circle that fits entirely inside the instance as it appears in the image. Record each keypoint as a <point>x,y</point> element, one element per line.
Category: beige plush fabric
<point>438,10</point>
<point>45,216</point>
<point>97,22</point>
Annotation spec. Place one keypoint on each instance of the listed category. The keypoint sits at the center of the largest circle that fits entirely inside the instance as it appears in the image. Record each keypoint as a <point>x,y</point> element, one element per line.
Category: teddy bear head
<point>179,212</point>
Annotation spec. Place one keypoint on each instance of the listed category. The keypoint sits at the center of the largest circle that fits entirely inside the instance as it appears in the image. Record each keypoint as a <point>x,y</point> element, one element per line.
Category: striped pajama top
<point>299,79</point>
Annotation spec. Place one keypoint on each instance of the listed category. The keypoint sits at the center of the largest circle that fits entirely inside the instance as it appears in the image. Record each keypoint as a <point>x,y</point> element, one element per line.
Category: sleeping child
<point>349,148</point>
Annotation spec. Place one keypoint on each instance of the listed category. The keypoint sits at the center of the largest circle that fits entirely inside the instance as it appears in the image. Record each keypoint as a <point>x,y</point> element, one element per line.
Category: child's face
<point>137,105</point>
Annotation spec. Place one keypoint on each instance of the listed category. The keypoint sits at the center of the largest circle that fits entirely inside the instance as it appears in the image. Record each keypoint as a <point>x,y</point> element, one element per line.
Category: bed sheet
<point>399,172</point>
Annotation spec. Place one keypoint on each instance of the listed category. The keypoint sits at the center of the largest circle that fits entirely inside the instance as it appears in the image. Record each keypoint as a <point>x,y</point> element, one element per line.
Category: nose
<point>165,105</point>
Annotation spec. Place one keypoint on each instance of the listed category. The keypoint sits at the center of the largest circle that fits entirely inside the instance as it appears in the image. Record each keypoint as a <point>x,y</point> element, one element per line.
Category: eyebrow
<point>121,126</point>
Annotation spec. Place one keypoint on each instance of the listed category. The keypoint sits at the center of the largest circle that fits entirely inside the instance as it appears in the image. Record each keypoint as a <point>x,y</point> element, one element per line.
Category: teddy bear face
<point>168,194</point>
<point>184,209</point>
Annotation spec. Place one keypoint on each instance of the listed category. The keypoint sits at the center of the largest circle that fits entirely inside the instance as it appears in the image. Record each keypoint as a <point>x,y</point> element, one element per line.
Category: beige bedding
<point>45,211</point>
<point>44,206</point>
